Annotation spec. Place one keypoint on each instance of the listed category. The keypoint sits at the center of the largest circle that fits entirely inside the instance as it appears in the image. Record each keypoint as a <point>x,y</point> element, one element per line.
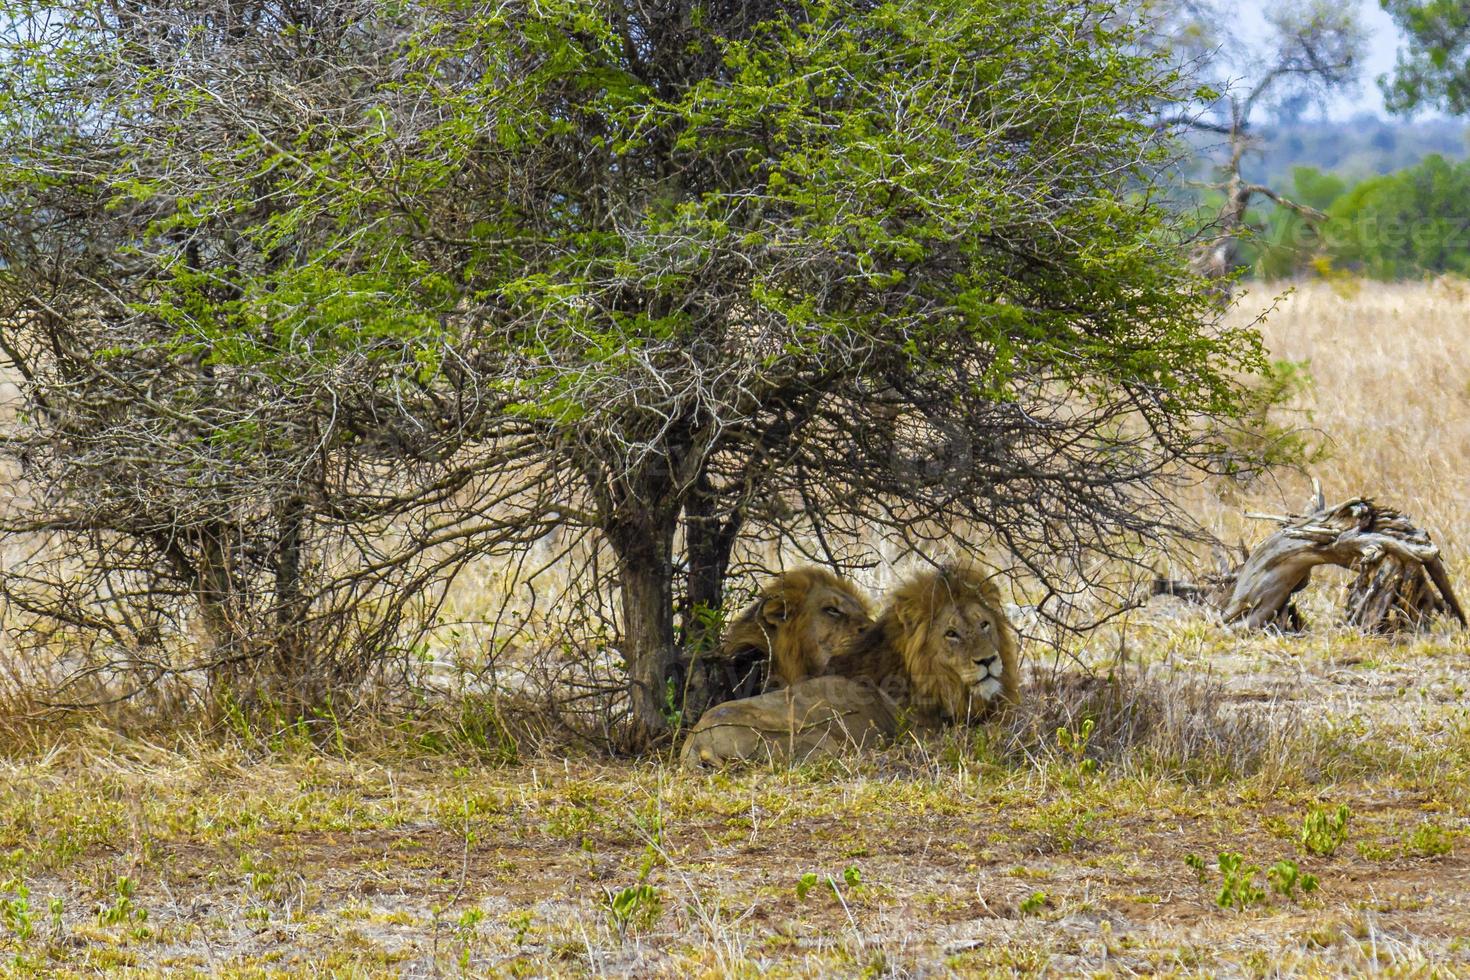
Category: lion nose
<point>985,661</point>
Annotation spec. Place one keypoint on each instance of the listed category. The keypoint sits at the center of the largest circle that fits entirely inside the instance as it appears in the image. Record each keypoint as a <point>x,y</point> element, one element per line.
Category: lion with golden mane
<point>942,652</point>
<point>785,636</point>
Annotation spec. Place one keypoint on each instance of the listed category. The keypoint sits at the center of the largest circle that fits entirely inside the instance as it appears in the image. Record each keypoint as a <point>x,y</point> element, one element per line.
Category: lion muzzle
<point>988,684</point>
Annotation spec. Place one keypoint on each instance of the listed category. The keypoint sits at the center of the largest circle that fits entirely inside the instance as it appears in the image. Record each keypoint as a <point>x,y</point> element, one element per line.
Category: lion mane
<point>942,652</point>
<point>778,626</point>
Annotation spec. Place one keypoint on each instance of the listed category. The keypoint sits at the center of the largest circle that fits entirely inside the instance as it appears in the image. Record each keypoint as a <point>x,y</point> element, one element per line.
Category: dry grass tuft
<point>1150,722</point>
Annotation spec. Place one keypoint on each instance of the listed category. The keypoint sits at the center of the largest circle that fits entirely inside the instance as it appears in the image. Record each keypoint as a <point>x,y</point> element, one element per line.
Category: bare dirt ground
<point>1131,823</point>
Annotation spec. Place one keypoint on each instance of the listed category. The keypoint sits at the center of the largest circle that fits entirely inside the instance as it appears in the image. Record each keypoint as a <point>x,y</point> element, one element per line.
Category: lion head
<point>799,619</point>
<point>943,645</point>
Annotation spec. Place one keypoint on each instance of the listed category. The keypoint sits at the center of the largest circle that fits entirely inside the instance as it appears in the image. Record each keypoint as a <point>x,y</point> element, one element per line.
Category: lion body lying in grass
<point>942,652</point>
<point>785,636</point>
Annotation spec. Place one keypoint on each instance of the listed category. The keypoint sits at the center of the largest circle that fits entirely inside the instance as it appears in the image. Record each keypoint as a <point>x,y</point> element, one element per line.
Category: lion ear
<point>775,610</point>
<point>910,617</point>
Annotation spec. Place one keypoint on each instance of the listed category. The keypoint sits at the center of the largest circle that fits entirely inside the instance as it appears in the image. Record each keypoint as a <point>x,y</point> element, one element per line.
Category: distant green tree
<point>1290,240</point>
<point>1434,71</point>
<point>1411,223</point>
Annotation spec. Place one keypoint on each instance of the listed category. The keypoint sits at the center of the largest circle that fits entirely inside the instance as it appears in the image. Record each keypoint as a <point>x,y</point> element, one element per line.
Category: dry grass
<point>1390,404</point>
<point>450,842</point>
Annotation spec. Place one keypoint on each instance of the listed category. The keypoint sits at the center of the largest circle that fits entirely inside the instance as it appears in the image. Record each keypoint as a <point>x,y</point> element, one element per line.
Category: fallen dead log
<point>1400,583</point>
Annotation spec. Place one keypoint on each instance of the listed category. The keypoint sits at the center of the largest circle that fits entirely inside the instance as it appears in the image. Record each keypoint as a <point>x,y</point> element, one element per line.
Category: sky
<point>1383,43</point>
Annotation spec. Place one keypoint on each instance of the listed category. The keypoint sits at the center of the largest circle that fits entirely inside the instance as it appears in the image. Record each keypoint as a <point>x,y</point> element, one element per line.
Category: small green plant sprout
<point>852,878</point>
<point>1324,830</point>
<point>1285,877</point>
<point>520,923</point>
<point>637,906</point>
<point>1428,840</point>
<point>465,929</point>
<point>651,822</point>
<point>15,909</point>
<point>124,910</point>
<point>55,907</point>
<point>669,708</point>
<point>1238,888</point>
<point>1033,903</point>
<point>703,631</point>
<point>1201,870</point>
<point>1074,745</point>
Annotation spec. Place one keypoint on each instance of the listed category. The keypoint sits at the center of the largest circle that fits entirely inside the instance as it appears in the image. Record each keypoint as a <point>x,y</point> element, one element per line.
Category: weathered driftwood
<point>1400,581</point>
<point>1394,560</point>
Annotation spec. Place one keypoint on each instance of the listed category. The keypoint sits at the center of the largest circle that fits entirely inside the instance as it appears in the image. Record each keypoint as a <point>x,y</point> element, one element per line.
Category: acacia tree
<point>246,451</point>
<point>1312,48</point>
<point>687,274</point>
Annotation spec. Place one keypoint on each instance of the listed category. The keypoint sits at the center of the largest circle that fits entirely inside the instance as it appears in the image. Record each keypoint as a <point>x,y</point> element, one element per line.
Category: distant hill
<point>1356,148</point>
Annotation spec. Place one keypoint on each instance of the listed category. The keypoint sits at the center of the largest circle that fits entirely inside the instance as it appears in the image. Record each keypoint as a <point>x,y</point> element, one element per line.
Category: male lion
<point>942,652</point>
<point>786,635</point>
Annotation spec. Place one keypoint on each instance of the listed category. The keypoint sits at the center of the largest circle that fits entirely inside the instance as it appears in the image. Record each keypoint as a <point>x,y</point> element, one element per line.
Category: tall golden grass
<point>1389,403</point>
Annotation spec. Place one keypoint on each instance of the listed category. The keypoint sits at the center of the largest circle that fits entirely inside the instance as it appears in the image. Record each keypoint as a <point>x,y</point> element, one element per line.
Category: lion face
<point>827,620</point>
<point>959,651</point>
<point>964,646</point>
<point>800,618</point>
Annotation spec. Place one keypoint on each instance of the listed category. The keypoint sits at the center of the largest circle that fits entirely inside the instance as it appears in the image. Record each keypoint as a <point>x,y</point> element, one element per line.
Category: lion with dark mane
<point>942,652</point>
<point>785,636</point>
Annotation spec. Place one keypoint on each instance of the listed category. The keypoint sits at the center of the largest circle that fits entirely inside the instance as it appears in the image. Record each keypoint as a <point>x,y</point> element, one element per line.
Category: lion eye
<point>833,611</point>
<point>985,627</point>
<point>952,635</point>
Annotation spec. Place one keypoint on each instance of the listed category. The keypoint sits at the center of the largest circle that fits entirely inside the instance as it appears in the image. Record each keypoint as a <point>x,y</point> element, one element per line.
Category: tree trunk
<point>1215,257</point>
<point>212,570</point>
<point>644,552</point>
<point>294,669</point>
<point>708,541</point>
